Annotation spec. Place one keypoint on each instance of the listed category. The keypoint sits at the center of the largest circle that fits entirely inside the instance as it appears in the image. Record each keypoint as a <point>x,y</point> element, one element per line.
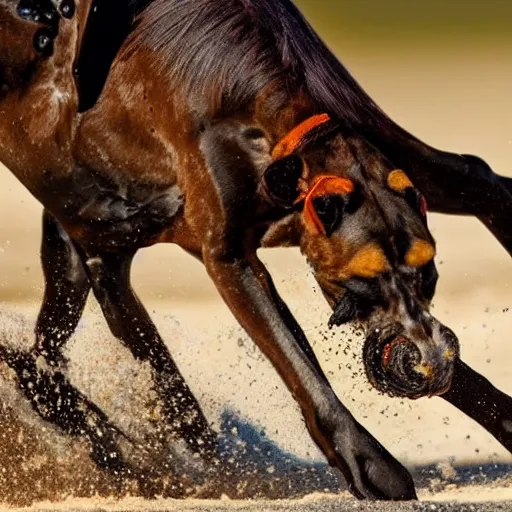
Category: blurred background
<point>413,21</point>
<point>443,70</point>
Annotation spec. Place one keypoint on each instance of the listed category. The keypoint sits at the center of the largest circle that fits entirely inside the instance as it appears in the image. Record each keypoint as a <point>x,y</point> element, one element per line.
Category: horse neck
<point>278,110</point>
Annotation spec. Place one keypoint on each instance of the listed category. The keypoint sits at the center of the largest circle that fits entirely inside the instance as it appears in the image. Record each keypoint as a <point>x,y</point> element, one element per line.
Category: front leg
<point>222,220</point>
<point>247,288</point>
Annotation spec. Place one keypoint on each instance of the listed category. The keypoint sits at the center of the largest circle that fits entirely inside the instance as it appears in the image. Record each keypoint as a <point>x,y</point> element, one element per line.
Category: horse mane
<point>223,54</point>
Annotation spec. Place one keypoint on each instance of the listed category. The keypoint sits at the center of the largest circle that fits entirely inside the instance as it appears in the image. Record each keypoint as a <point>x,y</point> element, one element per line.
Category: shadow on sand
<point>40,464</point>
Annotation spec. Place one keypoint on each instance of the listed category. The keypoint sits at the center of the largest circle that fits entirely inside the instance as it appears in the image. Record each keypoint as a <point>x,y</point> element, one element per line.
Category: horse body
<point>172,138</point>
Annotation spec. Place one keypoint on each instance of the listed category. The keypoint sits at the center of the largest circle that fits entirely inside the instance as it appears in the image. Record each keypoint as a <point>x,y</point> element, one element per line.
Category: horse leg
<point>49,392</point>
<point>129,321</point>
<point>223,220</point>
<point>480,400</point>
<point>370,470</point>
<point>66,289</point>
<point>452,184</point>
<point>470,187</point>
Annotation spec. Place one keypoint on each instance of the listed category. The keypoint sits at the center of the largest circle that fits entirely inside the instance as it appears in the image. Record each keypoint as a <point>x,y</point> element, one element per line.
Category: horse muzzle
<point>399,365</point>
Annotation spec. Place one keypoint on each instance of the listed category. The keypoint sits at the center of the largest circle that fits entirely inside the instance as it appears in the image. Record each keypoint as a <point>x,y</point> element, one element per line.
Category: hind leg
<point>468,186</point>
<point>66,289</point>
<point>454,184</point>
<point>480,400</point>
<point>129,321</point>
<point>49,392</point>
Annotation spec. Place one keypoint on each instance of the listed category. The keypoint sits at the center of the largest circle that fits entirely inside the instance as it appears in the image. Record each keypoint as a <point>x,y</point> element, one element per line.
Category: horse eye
<point>67,8</point>
<point>281,180</point>
<point>330,211</point>
<point>429,278</point>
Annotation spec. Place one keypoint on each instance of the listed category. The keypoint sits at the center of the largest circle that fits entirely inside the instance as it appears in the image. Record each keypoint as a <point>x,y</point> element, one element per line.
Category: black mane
<point>223,54</point>
<point>108,26</point>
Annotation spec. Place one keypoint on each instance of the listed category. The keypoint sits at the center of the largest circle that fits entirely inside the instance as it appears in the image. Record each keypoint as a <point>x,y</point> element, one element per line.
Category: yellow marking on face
<point>398,180</point>
<point>449,354</point>
<point>420,253</point>
<point>425,369</point>
<point>370,261</point>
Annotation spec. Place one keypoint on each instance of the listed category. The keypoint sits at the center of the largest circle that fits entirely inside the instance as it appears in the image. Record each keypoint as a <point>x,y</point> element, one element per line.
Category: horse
<point>222,131</point>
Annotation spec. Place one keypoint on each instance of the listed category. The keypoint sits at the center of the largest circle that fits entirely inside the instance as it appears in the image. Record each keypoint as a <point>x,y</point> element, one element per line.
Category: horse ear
<point>281,180</point>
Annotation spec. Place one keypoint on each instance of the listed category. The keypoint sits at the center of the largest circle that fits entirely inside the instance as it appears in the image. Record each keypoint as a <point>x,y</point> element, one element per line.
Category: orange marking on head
<point>313,223</point>
<point>425,369</point>
<point>449,354</point>
<point>420,253</point>
<point>322,185</point>
<point>370,261</point>
<point>386,353</point>
<point>290,142</point>
<point>398,180</point>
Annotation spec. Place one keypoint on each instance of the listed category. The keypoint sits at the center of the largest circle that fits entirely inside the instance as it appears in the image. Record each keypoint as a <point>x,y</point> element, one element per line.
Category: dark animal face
<point>364,232</point>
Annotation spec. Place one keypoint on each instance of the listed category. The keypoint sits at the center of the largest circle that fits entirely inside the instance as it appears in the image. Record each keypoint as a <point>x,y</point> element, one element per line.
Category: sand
<point>440,99</point>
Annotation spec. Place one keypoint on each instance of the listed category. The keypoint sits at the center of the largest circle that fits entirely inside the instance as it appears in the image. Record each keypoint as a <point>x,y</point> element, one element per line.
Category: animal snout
<point>402,365</point>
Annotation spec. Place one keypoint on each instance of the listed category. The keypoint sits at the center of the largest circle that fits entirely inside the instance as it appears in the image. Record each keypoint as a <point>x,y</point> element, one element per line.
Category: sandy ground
<point>443,101</point>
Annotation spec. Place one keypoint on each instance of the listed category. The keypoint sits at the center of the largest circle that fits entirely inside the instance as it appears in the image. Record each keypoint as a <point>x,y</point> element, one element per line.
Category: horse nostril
<point>394,366</point>
<point>402,366</point>
<point>388,350</point>
<point>400,359</point>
